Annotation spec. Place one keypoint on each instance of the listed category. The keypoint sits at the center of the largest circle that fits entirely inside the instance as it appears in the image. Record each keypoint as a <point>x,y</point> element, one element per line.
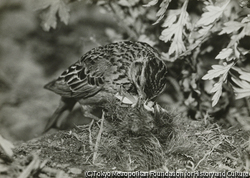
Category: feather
<point>133,70</point>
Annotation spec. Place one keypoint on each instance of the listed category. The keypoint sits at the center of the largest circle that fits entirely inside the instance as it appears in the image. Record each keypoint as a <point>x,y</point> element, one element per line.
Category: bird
<point>124,69</point>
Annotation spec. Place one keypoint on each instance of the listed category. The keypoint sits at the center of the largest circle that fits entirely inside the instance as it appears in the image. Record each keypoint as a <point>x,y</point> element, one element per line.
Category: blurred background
<point>31,57</point>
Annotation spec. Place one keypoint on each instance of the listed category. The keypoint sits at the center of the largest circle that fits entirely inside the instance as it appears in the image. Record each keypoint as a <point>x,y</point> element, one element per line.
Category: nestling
<point>127,69</point>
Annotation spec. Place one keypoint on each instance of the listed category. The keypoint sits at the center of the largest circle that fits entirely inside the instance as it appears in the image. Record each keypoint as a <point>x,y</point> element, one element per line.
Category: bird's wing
<point>108,67</point>
<point>83,79</point>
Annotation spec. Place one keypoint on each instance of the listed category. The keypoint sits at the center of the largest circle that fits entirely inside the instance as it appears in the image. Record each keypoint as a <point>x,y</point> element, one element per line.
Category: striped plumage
<point>128,68</point>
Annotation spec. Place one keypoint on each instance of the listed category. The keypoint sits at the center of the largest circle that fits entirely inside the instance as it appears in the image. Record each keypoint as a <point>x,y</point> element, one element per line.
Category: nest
<point>131,138</point>
<point>134,139</point>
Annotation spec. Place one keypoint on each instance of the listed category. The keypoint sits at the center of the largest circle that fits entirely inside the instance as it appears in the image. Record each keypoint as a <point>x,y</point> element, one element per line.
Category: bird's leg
<point>87,112</point>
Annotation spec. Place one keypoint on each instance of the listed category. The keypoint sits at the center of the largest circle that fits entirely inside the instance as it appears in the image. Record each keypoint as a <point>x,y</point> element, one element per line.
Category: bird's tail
<point>65,107</point>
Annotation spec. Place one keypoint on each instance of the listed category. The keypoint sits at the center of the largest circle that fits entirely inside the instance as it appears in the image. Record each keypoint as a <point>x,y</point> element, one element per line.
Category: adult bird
<point>131,70</point>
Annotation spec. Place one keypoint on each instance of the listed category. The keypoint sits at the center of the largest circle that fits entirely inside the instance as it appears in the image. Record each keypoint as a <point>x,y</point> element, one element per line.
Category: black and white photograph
<point>124,88</point>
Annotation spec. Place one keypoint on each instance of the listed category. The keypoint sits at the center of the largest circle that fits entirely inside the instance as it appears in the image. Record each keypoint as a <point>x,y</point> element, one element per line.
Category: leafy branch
<point>231,54</point>
<point>236,29</point>
<point>50,9</point>
<point>212,15</point>
<point>186,39</point>
<point>220,71</point>
<point>162,10</point>
<point>242,88</point>
<point>174,29</point>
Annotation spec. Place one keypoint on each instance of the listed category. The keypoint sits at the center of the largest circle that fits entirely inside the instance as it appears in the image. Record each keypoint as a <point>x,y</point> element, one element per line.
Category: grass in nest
<point>135,139</point>
<point>130,139</point>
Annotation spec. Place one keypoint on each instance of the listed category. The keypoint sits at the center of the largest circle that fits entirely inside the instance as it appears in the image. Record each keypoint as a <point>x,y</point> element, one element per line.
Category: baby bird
<point>127,69</point>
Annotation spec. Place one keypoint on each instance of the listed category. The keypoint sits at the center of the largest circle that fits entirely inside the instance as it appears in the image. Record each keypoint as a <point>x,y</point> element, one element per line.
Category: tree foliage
<point>204,42</point>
